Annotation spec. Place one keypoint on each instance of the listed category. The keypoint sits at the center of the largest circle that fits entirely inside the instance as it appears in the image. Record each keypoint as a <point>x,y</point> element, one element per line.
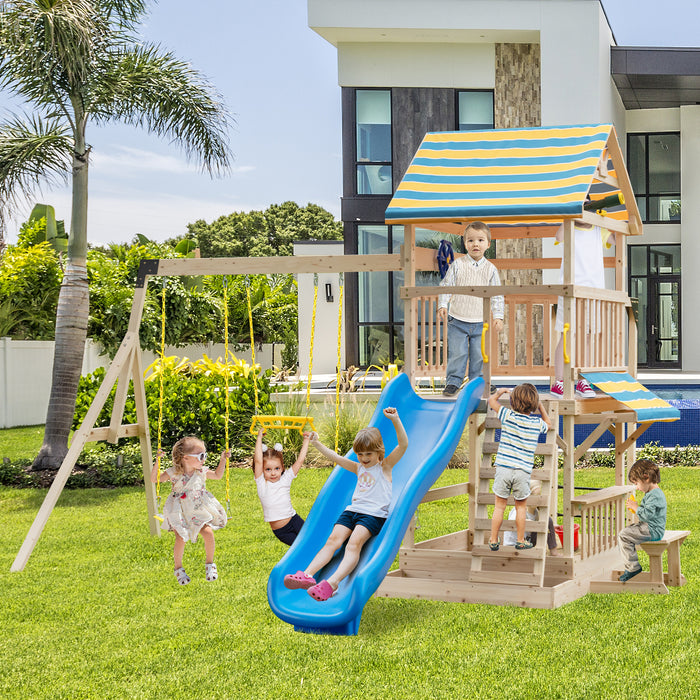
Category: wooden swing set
<point>127,366</point>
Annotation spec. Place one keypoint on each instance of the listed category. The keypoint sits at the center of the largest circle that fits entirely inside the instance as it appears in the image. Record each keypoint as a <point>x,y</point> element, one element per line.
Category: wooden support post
<point>80,437</point>
<point>569,304</point>
<point>568,519</point>
<point>474,462</point>
<point>408,263</point>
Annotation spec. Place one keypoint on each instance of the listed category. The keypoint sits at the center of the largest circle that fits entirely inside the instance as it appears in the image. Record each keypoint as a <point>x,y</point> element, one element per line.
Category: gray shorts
<point>513,481</point>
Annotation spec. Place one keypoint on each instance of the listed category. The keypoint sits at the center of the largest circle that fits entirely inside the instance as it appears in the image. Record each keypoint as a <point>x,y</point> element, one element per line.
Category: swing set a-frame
<point>127,366</point>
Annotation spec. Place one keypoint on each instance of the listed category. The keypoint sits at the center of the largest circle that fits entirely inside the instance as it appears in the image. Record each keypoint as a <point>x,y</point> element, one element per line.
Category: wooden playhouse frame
<point>459,566</point>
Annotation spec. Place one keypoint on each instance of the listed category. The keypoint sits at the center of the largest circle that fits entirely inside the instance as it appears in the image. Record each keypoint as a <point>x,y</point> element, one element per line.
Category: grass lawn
<point>97,613</point>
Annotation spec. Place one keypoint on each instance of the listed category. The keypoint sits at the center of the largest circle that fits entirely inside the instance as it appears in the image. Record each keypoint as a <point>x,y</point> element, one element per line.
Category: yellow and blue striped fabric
<point>537,175</point>
<point>625,388</point>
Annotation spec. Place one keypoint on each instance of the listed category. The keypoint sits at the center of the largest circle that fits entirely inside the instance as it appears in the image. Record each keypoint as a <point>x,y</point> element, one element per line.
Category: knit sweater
<point>467,272</point>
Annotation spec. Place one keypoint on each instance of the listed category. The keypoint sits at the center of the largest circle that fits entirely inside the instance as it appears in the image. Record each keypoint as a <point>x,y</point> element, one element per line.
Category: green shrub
<point>193,402</point>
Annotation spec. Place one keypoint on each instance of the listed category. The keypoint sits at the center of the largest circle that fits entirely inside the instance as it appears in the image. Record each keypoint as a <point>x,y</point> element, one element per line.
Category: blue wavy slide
<point>434,429</point>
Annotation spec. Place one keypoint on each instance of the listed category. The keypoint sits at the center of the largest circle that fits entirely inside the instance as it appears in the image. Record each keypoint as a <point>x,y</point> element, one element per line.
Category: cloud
<point>128,161</point>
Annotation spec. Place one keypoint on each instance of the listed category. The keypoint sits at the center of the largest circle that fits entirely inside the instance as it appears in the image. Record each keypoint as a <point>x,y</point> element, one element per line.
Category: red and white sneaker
<point>583,388</point>
<point>557,389</point>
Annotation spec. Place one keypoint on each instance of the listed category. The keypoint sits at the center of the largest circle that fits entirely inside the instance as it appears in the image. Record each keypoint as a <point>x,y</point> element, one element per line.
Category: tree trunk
<point>71,332</point>
<point>71,321</point>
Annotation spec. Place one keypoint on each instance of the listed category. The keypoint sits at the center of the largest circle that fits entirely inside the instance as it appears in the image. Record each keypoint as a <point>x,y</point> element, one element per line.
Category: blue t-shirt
<point>519,435</point>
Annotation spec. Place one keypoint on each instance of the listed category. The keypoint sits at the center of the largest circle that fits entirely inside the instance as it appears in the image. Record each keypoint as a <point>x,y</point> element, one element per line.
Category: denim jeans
<point>463,346</point>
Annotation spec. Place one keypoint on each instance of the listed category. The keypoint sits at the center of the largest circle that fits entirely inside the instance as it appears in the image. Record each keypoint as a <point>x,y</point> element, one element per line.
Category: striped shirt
<point>467,272</point>
<point>519,434</point>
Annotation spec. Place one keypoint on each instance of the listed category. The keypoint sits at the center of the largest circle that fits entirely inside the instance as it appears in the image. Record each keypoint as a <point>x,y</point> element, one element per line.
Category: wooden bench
<point>654,580</point>
<point>671,541</point>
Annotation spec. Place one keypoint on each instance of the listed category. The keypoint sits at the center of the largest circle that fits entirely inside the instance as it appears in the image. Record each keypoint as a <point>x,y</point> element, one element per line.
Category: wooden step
<point>488,498</point>
<point>510,525</point>
<point>510,552</point>
<point>542,448</point>
<point>539,474</point>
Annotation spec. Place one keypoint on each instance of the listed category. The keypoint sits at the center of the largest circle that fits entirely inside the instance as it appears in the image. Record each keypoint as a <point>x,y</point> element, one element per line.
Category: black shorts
<point>350,520</point>
<point>288,533</point>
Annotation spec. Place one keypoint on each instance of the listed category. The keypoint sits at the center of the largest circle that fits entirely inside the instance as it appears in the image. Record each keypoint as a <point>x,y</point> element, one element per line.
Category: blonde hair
<point>369,440</point>
<point>185,446</point>
<point>478,226</point>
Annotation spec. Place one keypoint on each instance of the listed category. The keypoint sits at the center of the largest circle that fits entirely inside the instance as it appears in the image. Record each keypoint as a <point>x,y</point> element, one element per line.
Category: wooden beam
<point>597,432</point>
<point>279,264</point>
<point>80,437</point>
<point>642,428</point>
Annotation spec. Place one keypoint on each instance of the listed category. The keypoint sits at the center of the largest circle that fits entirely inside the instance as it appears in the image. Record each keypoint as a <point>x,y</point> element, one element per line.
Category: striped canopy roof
<point>532,175</point>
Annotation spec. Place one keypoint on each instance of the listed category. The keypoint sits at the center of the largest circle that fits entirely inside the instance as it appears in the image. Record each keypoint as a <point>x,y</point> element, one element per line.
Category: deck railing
<point>602,517</point>
<point>599,342</point>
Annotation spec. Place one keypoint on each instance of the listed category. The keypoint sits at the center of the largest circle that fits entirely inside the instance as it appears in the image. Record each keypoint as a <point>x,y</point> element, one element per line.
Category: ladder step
<point>489,499</point>
<point>540,473</point>
<point>509,525</point>
<point>542,448</point>
<point>510,552</point>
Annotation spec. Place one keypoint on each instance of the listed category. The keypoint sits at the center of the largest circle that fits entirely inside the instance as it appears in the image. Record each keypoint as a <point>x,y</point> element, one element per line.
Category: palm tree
<point>75,62</point>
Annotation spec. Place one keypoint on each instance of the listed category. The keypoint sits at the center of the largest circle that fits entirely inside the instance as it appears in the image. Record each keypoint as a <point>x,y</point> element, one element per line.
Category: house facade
<point>407,67</point>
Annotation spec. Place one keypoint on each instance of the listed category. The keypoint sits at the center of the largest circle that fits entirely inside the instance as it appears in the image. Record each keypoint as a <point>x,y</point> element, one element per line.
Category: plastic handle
<point>567,359</point>
<point>484,356</point>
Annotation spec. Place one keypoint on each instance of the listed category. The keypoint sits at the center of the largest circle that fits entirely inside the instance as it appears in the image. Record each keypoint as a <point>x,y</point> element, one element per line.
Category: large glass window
<point>474,109</point>
<point>380,308</point>
<point>655,281</point>
<point>373,141</point>
<point>654,164</point>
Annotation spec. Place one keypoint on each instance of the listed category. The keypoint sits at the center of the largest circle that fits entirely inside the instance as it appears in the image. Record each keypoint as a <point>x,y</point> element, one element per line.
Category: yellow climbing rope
<point>300,423</point>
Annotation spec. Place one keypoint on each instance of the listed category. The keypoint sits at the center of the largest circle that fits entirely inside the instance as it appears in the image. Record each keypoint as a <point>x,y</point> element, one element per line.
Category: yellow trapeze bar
<point>300,423</point>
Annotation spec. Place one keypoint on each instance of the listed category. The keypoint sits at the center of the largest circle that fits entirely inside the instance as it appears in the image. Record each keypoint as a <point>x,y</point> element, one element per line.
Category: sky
<point>278,79</point>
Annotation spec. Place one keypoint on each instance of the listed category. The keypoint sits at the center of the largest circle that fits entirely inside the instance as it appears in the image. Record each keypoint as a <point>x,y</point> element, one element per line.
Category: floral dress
<point>190,506</point>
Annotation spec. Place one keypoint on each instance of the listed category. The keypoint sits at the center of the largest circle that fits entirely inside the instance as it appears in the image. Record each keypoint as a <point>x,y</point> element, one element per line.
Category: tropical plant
<point>76,62</point>
<point>30,279</point>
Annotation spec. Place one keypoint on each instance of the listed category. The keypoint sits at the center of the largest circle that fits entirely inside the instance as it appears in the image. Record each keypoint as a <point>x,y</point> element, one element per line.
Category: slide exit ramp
<point>434,428</point>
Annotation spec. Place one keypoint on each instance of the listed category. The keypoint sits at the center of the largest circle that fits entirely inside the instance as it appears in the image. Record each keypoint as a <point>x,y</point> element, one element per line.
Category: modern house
<point>407,67</point>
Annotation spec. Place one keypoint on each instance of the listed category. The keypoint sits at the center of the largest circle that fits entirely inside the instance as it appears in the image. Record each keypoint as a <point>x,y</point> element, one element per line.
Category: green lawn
<point>97,613</point>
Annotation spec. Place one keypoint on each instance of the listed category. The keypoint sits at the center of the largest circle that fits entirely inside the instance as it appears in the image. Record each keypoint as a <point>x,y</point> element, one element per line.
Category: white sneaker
<point>211,573</point>
<point>583,388</point>
<point>557,389</point>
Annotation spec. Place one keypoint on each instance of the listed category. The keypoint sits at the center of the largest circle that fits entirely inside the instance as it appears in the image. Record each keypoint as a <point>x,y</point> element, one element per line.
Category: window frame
<point>357,163</point>
<point>458,92</point>
<point>647,196</point>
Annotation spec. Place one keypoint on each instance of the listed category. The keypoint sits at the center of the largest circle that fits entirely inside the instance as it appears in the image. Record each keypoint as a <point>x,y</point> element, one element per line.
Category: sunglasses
<point>201,456</point>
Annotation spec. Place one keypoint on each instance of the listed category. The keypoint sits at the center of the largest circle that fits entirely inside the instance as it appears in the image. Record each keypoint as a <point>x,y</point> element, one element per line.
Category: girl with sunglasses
<point>191,509</point>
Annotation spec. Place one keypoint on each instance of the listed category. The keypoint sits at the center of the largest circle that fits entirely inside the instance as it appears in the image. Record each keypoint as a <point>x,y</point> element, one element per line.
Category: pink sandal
<point>299,580</point>
<point>321,591</point>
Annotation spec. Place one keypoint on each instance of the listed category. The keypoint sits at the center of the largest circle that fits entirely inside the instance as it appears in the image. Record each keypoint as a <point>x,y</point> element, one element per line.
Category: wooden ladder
<point>509,565</point>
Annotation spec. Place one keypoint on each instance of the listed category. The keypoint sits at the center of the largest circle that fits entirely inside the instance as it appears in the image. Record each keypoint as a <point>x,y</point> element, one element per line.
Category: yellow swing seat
<point>300,423</point>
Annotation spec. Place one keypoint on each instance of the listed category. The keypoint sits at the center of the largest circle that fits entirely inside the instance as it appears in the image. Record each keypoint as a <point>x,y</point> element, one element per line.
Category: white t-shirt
<point>510,538</point>
<point>274,496</point>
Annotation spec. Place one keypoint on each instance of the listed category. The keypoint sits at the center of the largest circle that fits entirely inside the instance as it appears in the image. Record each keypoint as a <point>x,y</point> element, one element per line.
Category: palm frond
<point>154,90</point>
<point>49,47</point>
<point>32,152</point>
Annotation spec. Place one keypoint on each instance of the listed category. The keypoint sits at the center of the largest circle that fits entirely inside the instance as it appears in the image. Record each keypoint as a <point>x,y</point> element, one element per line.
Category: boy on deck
<point>466,317</point>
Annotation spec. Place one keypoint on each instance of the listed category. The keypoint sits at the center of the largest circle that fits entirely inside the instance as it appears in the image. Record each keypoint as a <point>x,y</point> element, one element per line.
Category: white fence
<point>26,366</point>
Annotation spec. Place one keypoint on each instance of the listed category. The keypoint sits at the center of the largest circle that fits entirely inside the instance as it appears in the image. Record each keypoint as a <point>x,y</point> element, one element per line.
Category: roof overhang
<point>650,78</point>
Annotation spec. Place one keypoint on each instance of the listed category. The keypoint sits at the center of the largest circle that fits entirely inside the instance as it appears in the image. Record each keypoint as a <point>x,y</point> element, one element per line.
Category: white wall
<point>326,329</point>
<point>26,367</point>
